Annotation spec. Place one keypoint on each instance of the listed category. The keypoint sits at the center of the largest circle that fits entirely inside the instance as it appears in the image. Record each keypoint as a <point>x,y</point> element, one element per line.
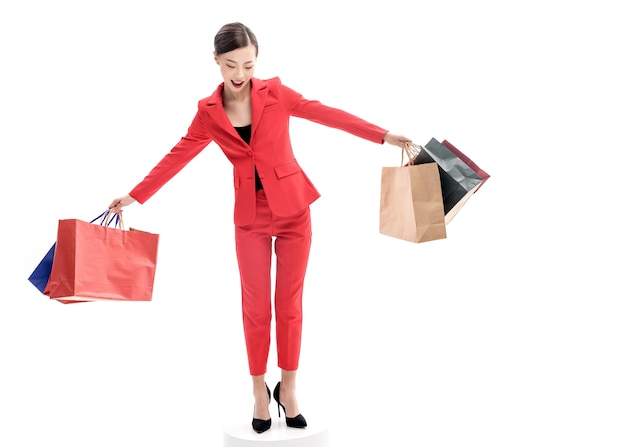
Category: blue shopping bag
<point>39,277</point>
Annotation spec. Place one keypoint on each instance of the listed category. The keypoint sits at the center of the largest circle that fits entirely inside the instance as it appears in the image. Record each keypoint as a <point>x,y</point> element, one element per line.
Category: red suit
<point>280,210</point>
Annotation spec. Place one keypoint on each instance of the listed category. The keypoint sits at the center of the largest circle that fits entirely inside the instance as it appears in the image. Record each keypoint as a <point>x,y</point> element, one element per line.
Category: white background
<point>510,332</point>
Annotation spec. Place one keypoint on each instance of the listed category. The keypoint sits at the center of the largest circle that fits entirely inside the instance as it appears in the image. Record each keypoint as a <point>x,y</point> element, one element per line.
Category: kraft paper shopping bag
<point>411,203</point>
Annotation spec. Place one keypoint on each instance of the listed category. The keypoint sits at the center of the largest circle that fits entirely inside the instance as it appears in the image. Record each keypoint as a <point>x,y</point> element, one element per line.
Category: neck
<point>239,96</point>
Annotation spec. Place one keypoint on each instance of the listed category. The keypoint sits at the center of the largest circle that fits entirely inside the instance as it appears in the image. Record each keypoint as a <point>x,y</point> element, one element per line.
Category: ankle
<point>261,397</point>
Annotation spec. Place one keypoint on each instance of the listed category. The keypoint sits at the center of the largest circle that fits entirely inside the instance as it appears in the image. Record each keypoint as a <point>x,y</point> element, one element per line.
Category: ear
<point>215,58</point>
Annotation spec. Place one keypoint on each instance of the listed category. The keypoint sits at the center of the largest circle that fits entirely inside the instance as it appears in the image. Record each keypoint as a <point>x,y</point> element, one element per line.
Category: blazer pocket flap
<point>285,169</point>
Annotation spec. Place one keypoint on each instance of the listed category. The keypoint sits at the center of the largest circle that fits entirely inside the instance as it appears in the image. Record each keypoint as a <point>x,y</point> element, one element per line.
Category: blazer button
<point>250,153</point>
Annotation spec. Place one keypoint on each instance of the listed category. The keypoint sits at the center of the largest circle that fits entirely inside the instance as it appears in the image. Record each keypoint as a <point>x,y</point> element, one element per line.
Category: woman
<point>248,118</point>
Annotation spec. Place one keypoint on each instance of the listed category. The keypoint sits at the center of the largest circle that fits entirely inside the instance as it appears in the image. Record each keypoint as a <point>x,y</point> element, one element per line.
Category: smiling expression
<point>237,68</point>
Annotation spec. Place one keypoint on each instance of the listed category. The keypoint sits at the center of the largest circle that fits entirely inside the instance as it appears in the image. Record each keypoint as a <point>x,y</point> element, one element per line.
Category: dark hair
<point>232,36</point>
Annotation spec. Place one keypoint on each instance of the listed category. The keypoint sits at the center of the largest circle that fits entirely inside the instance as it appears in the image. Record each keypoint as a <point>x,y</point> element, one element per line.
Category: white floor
<point>316,434</point>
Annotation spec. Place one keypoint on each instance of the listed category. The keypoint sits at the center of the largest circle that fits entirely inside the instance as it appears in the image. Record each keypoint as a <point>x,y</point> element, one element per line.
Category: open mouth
<point>237,84</point>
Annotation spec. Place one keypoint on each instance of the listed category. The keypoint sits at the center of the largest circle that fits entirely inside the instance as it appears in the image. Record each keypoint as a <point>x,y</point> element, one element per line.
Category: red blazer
<point>286,186</point>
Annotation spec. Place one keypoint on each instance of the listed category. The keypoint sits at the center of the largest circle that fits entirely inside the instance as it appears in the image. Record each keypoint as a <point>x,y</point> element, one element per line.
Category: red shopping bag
<point>96,262</point>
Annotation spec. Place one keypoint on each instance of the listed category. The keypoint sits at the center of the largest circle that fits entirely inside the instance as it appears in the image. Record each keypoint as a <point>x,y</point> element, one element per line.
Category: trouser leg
<point>292,246</point>
<point>254,254</point>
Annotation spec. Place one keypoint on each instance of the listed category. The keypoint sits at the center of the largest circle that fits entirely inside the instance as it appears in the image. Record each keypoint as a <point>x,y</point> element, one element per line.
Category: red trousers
<point>292,242</point>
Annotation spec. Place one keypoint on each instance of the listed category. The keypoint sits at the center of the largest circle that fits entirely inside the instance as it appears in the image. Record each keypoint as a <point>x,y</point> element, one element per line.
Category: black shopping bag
<point>458,180</point>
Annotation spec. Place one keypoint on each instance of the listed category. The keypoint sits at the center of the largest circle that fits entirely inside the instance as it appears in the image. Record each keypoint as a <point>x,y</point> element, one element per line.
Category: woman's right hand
<point>117,204</point>
<point>396,139</point>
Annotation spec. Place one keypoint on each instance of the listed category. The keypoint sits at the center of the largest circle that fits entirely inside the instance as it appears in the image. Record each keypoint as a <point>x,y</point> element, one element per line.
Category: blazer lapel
<point>215,107</point>
<point>258,96</point>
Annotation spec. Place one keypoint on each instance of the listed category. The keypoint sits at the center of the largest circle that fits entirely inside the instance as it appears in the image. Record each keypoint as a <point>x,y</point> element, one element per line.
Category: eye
<point>249,68</point>
<point>230,66</point>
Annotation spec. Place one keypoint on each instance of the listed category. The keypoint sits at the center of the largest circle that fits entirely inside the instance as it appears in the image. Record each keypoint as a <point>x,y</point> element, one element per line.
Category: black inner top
<point>245,133</point>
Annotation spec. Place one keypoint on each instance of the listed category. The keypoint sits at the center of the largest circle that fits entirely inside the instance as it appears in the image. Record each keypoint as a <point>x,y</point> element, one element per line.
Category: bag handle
<point>411,150</point>
<point>107,217</point>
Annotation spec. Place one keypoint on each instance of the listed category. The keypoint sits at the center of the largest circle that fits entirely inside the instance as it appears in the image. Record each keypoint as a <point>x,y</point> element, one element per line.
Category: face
<point>237,67</point>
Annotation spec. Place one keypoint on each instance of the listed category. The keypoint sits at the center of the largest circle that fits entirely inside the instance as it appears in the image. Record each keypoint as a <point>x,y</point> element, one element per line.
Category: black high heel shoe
<point>296,422</point>
<point>261,425</point>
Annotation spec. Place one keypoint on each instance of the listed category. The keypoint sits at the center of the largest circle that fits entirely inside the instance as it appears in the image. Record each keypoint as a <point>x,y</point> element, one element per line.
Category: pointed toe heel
<point>295,422</point>
<point>262,425</point>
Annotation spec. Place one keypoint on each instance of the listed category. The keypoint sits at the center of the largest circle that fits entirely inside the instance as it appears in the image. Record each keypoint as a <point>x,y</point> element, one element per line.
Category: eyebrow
<point>234,62</point>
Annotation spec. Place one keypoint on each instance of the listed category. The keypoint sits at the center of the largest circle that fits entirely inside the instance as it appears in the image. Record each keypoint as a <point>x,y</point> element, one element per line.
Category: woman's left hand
<point>396,139</point>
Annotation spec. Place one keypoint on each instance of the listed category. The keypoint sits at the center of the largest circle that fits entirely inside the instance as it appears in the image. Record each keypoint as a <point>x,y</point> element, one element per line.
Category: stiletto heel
<point>262,425</point>
<point>295,422</point>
